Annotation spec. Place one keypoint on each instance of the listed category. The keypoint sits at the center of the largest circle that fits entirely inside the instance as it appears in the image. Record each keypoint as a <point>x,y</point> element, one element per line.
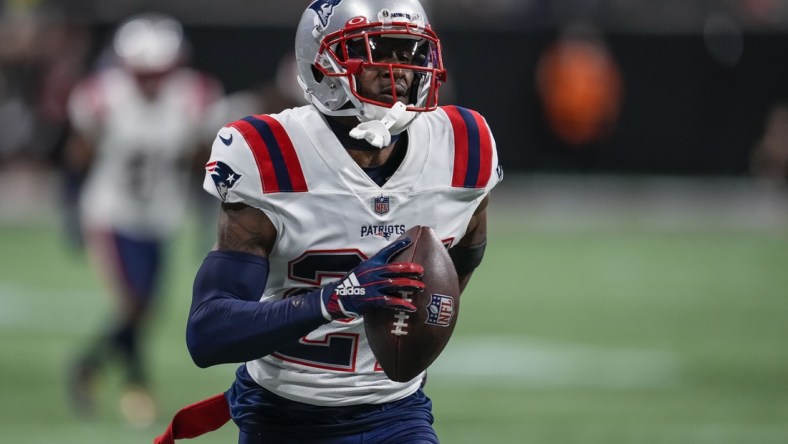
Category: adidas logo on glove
<point>350,287</point>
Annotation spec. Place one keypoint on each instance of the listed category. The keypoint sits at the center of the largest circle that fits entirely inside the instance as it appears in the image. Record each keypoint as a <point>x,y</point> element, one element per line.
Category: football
<point>405,344</point>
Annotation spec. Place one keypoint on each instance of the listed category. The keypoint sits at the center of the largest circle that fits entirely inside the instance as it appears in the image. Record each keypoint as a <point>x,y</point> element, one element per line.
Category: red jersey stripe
<point>261,156</point>
<point>486,151</point>
<point>293,165</point>
<point>460,146</point>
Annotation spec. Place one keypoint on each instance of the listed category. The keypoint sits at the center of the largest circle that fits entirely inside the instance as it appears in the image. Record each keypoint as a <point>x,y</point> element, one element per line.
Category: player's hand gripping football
<point>374,283</point>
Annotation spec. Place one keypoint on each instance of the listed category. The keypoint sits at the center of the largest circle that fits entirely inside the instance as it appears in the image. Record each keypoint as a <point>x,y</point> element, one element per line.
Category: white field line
<point>523,362</point>
<point>25,308</point>
<point>514,361</point>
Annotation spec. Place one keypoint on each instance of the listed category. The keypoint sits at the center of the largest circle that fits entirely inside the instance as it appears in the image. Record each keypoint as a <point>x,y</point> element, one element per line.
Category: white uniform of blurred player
<point>138,126</point>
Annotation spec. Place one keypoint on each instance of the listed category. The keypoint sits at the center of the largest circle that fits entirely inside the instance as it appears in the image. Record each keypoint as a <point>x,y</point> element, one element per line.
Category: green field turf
<point>588,336</point>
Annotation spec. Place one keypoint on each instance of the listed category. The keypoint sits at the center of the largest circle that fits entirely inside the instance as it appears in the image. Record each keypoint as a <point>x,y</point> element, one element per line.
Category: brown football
<point>405,344</point>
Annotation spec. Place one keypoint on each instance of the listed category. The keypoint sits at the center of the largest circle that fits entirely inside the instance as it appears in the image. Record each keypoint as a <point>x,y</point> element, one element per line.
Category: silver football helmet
<point>149,43</point>
<point>340,41</point>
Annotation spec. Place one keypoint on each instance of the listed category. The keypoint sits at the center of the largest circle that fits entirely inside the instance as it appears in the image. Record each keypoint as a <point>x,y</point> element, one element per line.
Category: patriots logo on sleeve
<point>223,177</point>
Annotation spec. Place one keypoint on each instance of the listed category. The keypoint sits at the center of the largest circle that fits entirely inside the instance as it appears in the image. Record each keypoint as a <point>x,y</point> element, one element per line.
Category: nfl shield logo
<point>440,310</point>
<point>381,205</point>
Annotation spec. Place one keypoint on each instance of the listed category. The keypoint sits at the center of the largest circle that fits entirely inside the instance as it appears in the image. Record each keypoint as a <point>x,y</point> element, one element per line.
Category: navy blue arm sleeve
<point>227,323</point>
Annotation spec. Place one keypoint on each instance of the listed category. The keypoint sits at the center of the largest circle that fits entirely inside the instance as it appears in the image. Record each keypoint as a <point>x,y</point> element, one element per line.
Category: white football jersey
<point>138,182</point>
<point>330,216</point>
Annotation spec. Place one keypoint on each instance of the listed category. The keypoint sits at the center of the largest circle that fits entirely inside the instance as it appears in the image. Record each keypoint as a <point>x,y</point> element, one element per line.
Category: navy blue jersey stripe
<point>474,148</point>
<point>274,151</point>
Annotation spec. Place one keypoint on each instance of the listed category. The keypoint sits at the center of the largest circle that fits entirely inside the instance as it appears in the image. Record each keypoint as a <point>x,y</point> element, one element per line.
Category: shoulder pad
<point>276,158</point>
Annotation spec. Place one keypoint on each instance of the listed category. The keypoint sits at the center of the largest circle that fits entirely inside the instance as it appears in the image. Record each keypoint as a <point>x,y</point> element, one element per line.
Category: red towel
<point>196,419</point>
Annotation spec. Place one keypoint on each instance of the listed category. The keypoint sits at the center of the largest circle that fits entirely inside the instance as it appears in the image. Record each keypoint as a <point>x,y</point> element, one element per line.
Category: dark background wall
<point>683,111</point>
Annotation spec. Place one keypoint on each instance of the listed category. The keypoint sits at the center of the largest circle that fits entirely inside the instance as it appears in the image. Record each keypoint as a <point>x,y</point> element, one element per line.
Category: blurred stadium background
<point>635,288</point>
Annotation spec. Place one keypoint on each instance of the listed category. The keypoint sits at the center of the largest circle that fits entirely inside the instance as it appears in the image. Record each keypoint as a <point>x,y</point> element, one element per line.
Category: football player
<point>312,199</point>
<point>136,128</point>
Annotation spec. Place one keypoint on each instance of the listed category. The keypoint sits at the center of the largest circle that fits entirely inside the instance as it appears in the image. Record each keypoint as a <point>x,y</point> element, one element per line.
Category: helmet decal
<point>324,9</point>
<point>388,16</point>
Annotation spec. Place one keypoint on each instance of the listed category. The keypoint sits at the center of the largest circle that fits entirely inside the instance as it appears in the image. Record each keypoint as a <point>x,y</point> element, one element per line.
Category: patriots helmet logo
<point>324,9</point>
<point>223,177</point>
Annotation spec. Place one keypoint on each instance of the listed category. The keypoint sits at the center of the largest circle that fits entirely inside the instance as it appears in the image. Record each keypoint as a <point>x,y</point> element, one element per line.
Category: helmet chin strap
<point>380,123</point>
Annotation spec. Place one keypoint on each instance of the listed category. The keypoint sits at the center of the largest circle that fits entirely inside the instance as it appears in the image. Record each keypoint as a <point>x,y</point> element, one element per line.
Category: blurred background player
<point>769,158</point>
<point>138,125</point>
<point>270,96</point>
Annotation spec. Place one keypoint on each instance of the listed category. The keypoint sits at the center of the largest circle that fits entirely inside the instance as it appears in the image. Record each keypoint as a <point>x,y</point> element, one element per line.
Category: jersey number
<point>334,351</point>
<point>145,169</point>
